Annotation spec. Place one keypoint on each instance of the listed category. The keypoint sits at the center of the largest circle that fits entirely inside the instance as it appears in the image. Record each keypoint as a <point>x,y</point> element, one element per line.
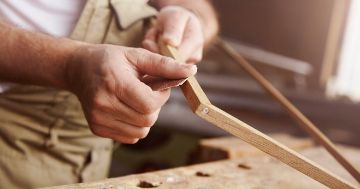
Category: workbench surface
<point>243,173</point>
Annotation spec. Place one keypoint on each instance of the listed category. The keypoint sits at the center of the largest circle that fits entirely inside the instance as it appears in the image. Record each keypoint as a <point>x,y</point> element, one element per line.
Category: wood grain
<point>295,113</point>
<point>243,173</point>
<point>268,145</point>
<point>230,147</point>
<point>203,108</point>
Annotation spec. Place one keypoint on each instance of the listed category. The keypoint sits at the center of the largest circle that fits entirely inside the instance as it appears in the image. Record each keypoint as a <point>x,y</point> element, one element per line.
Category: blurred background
<point>308,49</point>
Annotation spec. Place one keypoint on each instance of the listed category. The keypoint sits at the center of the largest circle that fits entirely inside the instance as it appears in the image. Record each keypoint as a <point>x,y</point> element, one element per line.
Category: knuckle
<point>129,140</point>
<point>140,56</point>
<point>95,118</point>
<point>165,60</point>
<point>143,133</point>
<point>149,107</point>
<point>148,120</point>
<point>132,54</point>
<point>140,51</point>
<point>98,102</point>
<point>97,131</point>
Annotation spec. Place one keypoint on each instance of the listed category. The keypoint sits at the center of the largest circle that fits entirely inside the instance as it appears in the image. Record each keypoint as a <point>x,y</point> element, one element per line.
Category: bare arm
<point>34,58</point>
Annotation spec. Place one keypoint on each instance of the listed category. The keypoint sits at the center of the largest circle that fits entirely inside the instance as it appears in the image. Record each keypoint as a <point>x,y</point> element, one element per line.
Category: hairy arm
<point>202,8</point>
<point>34,58</point>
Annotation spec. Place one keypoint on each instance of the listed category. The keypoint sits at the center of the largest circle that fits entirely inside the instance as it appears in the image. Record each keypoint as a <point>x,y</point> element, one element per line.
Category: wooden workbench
<point>259,171</point>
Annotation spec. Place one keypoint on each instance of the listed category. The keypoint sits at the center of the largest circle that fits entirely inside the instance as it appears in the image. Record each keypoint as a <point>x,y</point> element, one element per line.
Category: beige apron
<point>45,139</point>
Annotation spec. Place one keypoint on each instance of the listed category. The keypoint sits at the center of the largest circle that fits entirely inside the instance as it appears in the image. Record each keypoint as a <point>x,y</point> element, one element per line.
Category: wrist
<point>75,57</point>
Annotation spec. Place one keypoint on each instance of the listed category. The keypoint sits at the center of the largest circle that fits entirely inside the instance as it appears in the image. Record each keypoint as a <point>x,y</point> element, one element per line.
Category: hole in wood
<point>145,184</point>
<point>202,174</point>
<point>244,166</point>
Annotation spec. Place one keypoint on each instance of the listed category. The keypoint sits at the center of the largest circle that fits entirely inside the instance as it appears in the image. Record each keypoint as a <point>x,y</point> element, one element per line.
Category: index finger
<point>141,97</point>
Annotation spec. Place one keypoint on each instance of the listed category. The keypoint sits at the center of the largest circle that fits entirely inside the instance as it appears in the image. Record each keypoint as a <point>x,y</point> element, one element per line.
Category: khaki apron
<point>45,139</point>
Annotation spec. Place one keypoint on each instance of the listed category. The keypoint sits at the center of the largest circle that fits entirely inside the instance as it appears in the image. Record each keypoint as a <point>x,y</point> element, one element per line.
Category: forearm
<point>33,58</point>
<point>202,8</point>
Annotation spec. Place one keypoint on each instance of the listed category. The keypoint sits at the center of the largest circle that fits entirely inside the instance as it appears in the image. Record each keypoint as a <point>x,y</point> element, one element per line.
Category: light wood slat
<point>295,113</point>
<point>200,104</point>
<point>268,145</point>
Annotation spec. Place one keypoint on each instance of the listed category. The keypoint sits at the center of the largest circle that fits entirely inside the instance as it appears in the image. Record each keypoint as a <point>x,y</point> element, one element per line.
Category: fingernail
<point>193,68</point>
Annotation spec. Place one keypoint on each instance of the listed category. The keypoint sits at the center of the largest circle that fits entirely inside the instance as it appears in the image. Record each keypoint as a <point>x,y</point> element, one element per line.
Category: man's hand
<point>180,28</point>
<point>116,103</point>
<point>106,78</point>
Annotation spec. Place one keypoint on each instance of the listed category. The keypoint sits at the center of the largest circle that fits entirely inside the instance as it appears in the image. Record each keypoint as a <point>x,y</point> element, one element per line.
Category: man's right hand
<point>116,103</point>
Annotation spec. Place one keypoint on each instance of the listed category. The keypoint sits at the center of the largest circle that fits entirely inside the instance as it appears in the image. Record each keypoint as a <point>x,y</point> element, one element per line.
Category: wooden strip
<point>203,108</point>
<point>266,144</point>
<point>303,121</point>
<point>191,88</point>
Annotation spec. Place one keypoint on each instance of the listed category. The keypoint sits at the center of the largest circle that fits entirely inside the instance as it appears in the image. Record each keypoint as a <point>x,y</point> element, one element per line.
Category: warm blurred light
<point>347,79</point>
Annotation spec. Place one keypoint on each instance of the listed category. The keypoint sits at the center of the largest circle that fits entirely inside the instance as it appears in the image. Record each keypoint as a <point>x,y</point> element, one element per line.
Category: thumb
<point>161,66</point>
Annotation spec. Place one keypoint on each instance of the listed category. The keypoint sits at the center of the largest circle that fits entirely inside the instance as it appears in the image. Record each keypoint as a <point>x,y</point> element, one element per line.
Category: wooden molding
<point>202,107</point>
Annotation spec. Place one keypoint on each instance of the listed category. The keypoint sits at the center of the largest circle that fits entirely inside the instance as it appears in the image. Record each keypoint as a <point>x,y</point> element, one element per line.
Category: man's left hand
<point>180,28</point>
